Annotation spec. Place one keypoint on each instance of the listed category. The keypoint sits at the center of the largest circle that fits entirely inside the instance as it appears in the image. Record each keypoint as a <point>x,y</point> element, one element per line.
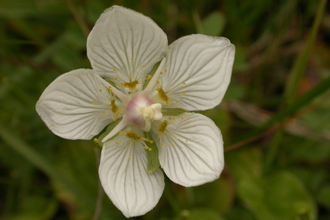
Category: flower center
<point>142,111</point>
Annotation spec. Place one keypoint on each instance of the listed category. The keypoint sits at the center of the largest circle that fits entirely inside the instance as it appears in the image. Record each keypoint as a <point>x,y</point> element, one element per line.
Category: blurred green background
<point>275,117</point>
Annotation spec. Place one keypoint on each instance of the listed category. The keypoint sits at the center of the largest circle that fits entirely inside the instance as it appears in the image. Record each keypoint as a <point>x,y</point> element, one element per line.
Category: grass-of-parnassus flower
<point>141,89</point>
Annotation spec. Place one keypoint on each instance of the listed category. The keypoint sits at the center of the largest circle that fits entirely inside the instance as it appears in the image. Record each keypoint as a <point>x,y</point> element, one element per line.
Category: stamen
<point>153,80</point>
<point>163,96</point>
<point>162,127</point>
<point>141,139</point>
<point>130,85</point>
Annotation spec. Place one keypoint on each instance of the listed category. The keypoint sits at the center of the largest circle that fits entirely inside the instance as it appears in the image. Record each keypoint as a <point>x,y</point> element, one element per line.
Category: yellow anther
<point>132,59</point>
<point>187,141</point>
<point>157,82</point>
<point>100,90</point>
<point>93,102</point>
<point>114,119</point>
<point>121,132</point>
<point>165,71</point>
<point>115,79</point>
<point>161,73</point>
<point>129,158</point>
<point>184,94</point>
<point>149,77</point>
<point>114,70</point>
<point>162,95</point>
<point>161,144</point>
<point>114,107</point>
<point>117,142</point>
<point>172,145</point>
<point>143,66</point>
<point>162,127</point>
<point>132,135</point>
<point>182,118</point>
<point>183,83</point>
<point>103,113</point>
<point>130,85</point>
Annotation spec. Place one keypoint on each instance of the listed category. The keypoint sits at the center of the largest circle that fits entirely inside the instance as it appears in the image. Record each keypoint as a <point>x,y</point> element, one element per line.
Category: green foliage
<point>277,151</point>
<point>214,24</point>
<point>152,154</point>
<point>277,195</point>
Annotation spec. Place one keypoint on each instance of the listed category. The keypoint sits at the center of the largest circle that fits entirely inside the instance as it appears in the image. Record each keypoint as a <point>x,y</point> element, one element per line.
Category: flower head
<point>143,88</point>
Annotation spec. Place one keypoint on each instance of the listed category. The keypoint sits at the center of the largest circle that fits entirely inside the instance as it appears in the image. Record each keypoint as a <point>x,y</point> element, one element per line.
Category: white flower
<point>144,104</point>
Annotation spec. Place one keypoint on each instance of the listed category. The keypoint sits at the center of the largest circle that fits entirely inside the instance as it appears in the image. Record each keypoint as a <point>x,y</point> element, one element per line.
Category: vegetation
<point>274,117</point>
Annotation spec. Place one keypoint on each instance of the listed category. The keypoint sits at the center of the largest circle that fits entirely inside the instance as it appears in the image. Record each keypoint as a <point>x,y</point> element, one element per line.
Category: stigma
<point>141,111</point>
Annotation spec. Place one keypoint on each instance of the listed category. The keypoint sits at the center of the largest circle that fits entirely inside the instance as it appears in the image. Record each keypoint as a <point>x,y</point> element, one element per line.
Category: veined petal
<point>124,175</point>
<point>190,149</point>
<point>78,105</point>
<point>124,45</point>
<point>197,72</point>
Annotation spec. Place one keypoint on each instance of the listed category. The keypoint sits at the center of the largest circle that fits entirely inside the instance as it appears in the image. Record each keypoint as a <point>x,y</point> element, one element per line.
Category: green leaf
<point>245,164</point>
<point>324,195</point>
<point>235,91</point>
<point>78,162</point>
<point>241,57</point>
<point>279,195</point>
<point>34,157</point>
<point>36,208</point>
<point>200,213</point>
<point>214,24</point>
<point>218,195</point>
<point>152,154</point>
<point>172,111</point>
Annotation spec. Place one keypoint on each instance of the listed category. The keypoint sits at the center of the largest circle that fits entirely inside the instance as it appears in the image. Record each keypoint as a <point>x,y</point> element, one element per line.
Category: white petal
<point>197,71</point>
<point>76,105</point>
<point>125,44</point>
<point>125,178</point>
<point>190,149</point>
